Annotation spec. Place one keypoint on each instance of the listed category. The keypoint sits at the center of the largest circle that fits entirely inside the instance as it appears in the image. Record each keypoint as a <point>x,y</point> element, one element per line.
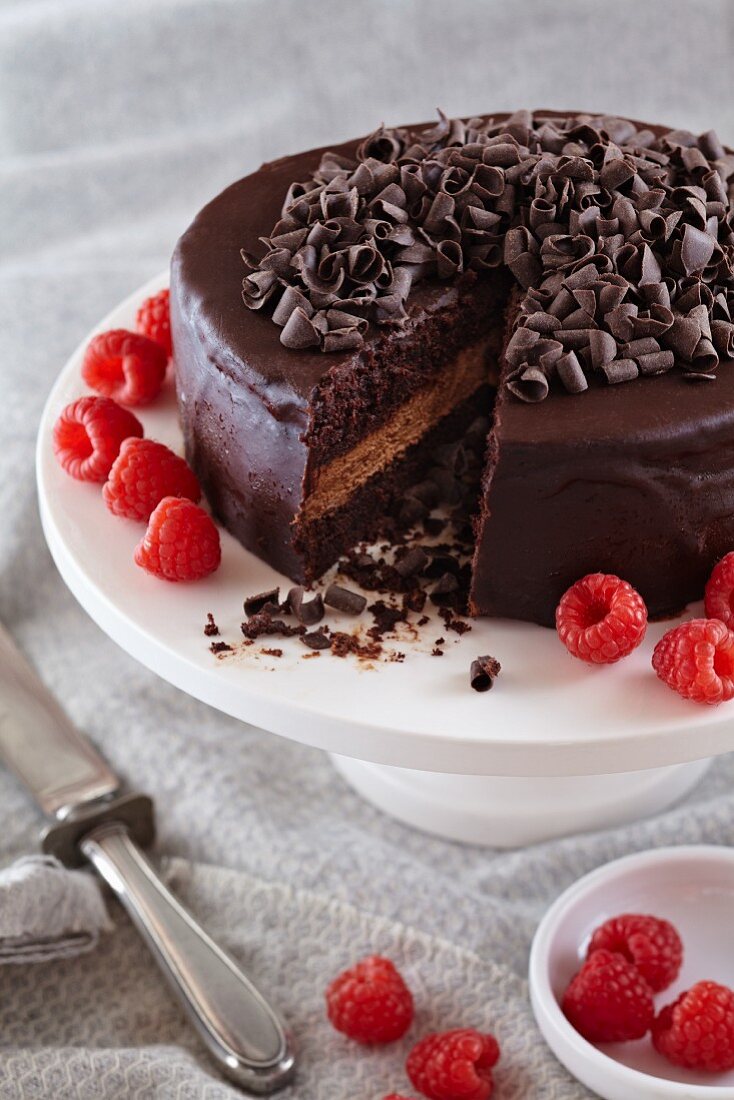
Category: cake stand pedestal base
<point>510,812</point>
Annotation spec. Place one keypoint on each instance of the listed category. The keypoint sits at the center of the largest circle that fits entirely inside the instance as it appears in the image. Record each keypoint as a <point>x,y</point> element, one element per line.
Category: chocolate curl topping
<point>622,241</point>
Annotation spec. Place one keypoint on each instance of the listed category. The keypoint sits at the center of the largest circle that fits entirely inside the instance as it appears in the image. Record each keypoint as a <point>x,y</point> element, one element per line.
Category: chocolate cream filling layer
<point>334,483</point>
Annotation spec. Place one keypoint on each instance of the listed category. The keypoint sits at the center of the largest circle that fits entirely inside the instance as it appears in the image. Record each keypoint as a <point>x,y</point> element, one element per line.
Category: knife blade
<point>90,817</point>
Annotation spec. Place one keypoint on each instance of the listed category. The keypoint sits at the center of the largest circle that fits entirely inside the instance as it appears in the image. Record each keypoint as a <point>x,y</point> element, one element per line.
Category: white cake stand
<point>556,747</point>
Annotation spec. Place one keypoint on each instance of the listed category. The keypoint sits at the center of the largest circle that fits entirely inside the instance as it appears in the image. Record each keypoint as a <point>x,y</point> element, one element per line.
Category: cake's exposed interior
<point>398,283</point>
<point>373,435</point>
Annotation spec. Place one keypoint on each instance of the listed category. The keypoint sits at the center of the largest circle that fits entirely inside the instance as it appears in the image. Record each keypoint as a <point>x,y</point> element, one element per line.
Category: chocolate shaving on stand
<point>308,612</point>
<point>342,599</point>
<point>615,236</point>
<point>262,600</point>
<point>483,673</point>
<point>413,562</point>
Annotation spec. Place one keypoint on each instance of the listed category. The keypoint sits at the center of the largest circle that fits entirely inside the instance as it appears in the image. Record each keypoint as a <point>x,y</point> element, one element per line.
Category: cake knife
<point>91,818</point>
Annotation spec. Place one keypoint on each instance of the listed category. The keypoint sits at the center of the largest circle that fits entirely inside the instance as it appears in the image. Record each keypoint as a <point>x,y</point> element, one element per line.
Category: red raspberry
<point>609,1001</point>
<point>696,659</point>
<point>454,1065</point>
<point>153,319</point>
<point>719,594</point>
<point>181,542</point>
<point>650,944</point>
<point>396,1096</point>
<point>143,474</point>
<point>125,365</point>
<point>88,435</point>
<point>370,1002</point>
<point>697,1030</point>
<point>601,618</point>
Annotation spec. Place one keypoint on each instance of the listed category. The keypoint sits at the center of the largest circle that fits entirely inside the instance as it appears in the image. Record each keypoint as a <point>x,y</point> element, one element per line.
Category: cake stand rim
<point>350,736</point>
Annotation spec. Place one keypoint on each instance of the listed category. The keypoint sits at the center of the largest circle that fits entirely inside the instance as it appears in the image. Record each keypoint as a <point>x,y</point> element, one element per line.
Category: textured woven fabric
<point>118,119</point>
<point>47,912</point>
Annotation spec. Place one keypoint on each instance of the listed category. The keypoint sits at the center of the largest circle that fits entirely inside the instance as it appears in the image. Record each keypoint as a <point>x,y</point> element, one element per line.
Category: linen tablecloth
<point>117,121</point>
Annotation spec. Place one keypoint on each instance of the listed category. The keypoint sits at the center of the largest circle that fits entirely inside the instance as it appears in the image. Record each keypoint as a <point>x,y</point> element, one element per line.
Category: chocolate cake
<point>572,275</point>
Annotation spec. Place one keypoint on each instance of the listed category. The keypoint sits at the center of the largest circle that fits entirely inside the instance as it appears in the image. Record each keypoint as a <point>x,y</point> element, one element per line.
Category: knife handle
<point>242,1032</point>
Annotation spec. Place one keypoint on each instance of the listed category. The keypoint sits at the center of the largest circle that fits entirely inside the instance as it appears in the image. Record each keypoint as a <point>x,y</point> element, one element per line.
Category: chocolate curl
<point>307,611</point>
<point>705,360</point>
<point>381,144</point>
<point>291,299</point>
<point>519,255</point>
<point>696,249</point>
<point>653,322</point>
<point>655,362</point>
<point>619,321</point>
<point>258,288</point>
<point>602,348</point>
<point>571,373</point>
<point>530,385</point>
<point>299,331</point>
<point>483,672</point>
<point>449,259</point>
<point>621,370</point>
<point>574,338</point>
<point>519,345</point>
<point>682,337</point>
<point>722,333</point>
<point>543,323</point>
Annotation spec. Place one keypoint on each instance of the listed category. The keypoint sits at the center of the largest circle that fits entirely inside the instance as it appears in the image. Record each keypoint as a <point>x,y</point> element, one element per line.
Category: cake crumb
<point>211,628</point>
<point>272,652</point>
<point>220,647</point>
<point>262,622</point>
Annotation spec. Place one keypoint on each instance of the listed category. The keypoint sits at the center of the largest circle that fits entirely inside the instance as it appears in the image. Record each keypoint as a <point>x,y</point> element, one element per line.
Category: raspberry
<point>153,319</point>
<point>454,1065</point>
<point>696,659</point>
<point>601,618</point>
<point>370,1002</point>
<point>181,542</point>
<point>650,944</point>
<point>697,1030</point>
<point>143,474</point>
<point>396,1096</point>
<point>719,594</point>
<point>609,1001</point>
<point>124,365</point>
<point>88,435</point>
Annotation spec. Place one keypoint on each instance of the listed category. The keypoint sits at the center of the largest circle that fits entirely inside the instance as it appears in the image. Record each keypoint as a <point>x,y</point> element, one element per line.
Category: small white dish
<point>691,886</point>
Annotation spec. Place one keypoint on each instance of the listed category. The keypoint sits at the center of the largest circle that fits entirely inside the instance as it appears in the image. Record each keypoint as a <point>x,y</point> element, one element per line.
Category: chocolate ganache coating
<point>636,479</point>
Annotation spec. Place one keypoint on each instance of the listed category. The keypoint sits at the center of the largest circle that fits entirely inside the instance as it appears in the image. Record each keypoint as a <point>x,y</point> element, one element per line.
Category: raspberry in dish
<point>153,320</point>
<point>181,542</point>
<point>601,619</point>
<point>697,1030</point>
<point>88,435</point>
<point>125,365</point>
<point>370,1002</point>
<point>696,659</point>
<point>454,1065</point>
<point>650,944</point>
<point>719,594</point>
<point>608,1001</point>
<point>143,474</point>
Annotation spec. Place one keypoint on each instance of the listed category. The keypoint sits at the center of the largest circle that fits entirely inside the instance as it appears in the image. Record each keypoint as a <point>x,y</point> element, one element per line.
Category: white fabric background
<point>118,119</point>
